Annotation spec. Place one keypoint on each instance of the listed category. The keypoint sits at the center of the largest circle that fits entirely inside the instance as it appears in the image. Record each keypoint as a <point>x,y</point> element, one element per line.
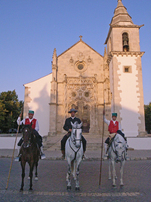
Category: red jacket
<point>27,122</point>
<point>113,128</point>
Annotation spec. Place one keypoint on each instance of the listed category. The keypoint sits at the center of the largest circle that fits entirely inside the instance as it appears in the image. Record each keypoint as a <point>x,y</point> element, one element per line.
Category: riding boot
<point>105,151</point>
<point>63,154</point>
<point>42,155</point>
<point>19,154</point>
<point>126,155</point>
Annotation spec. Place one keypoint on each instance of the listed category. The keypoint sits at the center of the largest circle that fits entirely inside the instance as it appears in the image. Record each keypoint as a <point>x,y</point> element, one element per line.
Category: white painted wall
<point>128,85</point>
<point>40,99</point>
<point>142,143</point>
<point>8,142</point>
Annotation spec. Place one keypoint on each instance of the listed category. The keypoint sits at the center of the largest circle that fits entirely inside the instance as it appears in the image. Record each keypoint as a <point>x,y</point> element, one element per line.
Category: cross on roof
<point>80,38</point>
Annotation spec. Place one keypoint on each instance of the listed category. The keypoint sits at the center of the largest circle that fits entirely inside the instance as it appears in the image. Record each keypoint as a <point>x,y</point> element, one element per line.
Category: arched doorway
<point>84,114</point>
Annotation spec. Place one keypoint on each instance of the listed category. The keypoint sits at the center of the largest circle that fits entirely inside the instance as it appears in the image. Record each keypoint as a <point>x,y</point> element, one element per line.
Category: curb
<point>88,159</point>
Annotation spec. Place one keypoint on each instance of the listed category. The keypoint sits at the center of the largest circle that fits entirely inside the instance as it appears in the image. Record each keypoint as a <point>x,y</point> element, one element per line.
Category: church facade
<point>83,79</point>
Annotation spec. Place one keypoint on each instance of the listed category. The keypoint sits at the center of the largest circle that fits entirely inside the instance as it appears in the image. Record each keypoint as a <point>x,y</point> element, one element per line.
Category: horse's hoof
<point>28,178</point>
<point>121,185</point>
<point>68,187</point>
<point>21,189</point>
<point>36,178</point>
<point>30,189</point>
<point>77,188</point>
<point>109,178</point>
<point>116,177</point>
<point>114,186</point>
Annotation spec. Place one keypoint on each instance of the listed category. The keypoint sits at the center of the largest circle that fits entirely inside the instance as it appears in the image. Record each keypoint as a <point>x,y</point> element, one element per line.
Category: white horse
<point>117,153</point>
<point>73,154</point>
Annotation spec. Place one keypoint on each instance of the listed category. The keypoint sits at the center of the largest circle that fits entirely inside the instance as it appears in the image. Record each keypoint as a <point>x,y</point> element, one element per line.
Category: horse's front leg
<point>114,173</point>
<point>77,188</point>
<point>121,171</point>
<point>68,177</point>
<point>36,173</point>
<point>31,174</point>
<point>23,163</point>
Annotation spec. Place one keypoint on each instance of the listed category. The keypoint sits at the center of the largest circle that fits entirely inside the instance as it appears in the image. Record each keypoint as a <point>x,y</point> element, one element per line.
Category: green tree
<point>148,117</point>
<point>10,109</point>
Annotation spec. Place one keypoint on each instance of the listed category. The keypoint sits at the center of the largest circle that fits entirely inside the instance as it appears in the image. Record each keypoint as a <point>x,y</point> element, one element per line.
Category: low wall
<point>8,141</point>
<point>139,143</point>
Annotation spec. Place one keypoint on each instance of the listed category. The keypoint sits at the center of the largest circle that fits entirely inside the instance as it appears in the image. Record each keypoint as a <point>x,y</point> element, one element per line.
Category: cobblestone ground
<point>51,185</point>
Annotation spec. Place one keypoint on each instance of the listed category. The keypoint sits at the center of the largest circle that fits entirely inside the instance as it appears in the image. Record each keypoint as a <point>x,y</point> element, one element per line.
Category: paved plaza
<point>51,185</point>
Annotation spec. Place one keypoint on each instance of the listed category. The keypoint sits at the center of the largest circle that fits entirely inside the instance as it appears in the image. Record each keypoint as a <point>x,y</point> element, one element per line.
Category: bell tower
<point>125,68</point>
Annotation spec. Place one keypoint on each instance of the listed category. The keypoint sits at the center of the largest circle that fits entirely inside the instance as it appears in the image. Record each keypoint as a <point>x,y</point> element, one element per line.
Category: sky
<point>31,29</point>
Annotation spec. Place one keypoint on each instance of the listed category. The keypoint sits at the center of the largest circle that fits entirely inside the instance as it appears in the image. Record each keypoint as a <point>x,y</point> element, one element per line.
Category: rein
<point>73,141</point>
<point>27,139</point>
<point>114,150</point>
<point>73,149</point>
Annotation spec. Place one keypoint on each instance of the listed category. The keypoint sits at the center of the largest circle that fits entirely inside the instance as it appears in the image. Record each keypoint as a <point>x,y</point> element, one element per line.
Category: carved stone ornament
<point>81,57</point>
<point>71,60</point>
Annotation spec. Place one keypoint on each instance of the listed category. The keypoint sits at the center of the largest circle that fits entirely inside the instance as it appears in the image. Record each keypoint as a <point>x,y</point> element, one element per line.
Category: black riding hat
<point>72,110</point>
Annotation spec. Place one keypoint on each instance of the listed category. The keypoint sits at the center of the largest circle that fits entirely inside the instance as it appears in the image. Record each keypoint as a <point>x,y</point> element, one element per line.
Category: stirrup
<point>42,156</point>
<point>127,158</point>
<point>105,156</point>
<point>63,157</point>
<point>84,157</point>
<point>17,159</point>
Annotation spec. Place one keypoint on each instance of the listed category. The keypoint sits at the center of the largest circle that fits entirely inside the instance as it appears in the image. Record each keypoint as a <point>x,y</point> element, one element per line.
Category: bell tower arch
<point>124,59</point>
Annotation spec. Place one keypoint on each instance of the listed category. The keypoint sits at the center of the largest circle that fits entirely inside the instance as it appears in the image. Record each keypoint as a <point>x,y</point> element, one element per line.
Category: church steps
<point>52,143</point>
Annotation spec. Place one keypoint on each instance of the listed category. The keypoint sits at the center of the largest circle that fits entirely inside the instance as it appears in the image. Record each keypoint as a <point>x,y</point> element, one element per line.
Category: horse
<point>117,153</point>
<point>74,154</point>
<point>29,153</point>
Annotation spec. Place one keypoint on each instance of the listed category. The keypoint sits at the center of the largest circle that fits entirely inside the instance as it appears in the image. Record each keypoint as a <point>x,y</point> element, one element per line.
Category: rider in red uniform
<point>35,126</point>
<point>113,127</point>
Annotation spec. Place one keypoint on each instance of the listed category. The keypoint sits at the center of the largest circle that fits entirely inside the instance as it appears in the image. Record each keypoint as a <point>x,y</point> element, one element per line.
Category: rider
<point>68,127</point>
<point>35,126</point>
<point>113,127</point>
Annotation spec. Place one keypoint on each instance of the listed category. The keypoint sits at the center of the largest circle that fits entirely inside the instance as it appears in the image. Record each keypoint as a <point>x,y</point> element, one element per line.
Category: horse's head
<point>120,151</point>
<point>120,148</point>
<point>27,135</point>
<point>76,133</point>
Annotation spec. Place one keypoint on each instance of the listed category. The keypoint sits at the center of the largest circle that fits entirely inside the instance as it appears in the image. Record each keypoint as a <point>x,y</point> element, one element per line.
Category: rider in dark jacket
<point>68,127</point>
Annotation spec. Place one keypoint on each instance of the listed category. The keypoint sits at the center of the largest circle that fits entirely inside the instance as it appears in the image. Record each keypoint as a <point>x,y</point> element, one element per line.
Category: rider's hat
<point>114,114</point>
<point>31,112</point>
<point>72,110</point>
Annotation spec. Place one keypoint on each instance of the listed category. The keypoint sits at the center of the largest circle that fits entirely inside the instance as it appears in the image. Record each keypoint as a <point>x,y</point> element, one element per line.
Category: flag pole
<point>100,177</point>
<point>13,154</point>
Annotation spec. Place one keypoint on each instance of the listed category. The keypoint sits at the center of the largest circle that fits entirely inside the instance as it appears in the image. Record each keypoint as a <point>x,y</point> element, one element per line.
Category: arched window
<point>125,40</point>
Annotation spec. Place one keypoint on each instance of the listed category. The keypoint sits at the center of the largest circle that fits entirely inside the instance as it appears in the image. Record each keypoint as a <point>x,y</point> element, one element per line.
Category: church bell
<point>125,42</point>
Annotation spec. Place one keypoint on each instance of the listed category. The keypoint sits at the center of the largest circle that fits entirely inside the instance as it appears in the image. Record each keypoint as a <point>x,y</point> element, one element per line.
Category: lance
<point>13,152</point>
<point>100,177</point>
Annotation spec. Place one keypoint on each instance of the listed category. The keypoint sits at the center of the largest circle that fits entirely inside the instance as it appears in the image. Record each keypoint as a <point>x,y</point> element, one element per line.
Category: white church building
<point>82,78</point>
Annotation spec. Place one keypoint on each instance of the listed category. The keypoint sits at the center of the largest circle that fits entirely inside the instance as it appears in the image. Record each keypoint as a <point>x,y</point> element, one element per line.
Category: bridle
<point>74,139</point>
<point>27,137</point>
<point>116,144</point>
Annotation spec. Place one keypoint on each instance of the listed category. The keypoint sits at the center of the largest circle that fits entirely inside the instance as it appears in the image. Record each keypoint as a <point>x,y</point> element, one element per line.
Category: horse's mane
<point>119,138</point>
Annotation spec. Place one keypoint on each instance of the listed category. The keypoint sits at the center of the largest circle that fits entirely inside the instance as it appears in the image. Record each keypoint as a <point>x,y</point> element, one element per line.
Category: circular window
<point>86,94</point>
<point>80,66</point>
